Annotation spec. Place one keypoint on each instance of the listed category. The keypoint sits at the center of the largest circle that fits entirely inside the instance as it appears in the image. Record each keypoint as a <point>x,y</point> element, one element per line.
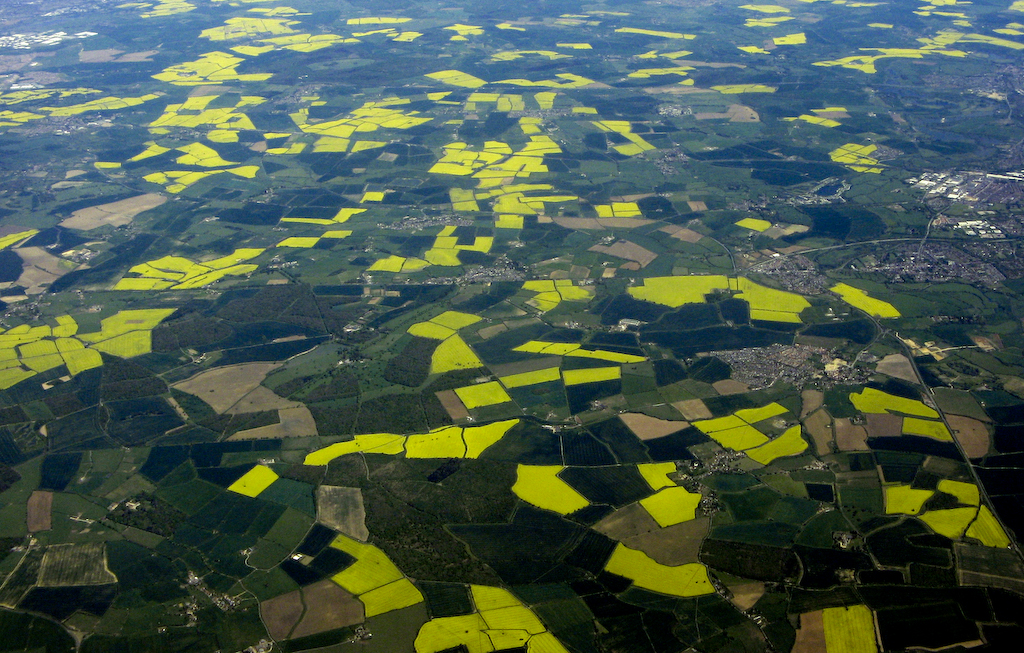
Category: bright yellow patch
<point>927,428</point>
<point>650,32</point>
<point>734,89</point>
<point>531,378</point>
<point>393,596</point>
<point>479,438</point>
<point>254,481</point>
<point>672,505</point>
<point>789,443</point>
<point>905,500</point>
<point>791,39</point>
<point>455,320</point>
<point>754,224</point>
<point>857,157</point>
<point>987,530</point>
<point>11,239</point>
<point>371,570</point>
<point>739,438</point>
<point>482,394</point>
<point>539,485</point>
<point>870,400</point>
<point>444,442</point>
<point>656,474</point>
<point>453,354</point>
<point>601,354</point>
<point>966,493</point>
<point>430,330</point>
<point>593,375</point>
<point>384,443</point>
<point>683,580</point>
<point>755,415</point>
<point>849,630</point>
<point>951,523</point>
<point>859,299</point>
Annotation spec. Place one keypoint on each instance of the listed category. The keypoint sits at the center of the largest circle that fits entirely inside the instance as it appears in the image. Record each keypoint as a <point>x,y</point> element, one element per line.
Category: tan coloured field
<point>328,607</point>
<point>631,198</point>
<point>452,404</point>
<point>692,409</point>
<point>624,223</point>
<point>819,426</point>
<point>634,527</point>
<point>646,427</point>
<point>884,426</point>
<point>98,56</point>
<point>675,545</point>
<point>812,401</point>
<point>810,637</point>
<point>137,57</point>
<point>730,387</point>
<point>113,214</point>
<point>491,331</point>
<point>745,595</point>
<point>261,398</point>
<point>972,435</point>
<point>281,614</point>
<point>735,113</point>
<point>41,268</point>
<point>341,508</point>
<point>295,422</point>
<point>627,250</point>
<point>682,233</point>
<point>581,224</point>
<point>850,437</point>
<point>40,511</point>
<point>897,366</point>
<point>697,206</point>
<point>223,387</point>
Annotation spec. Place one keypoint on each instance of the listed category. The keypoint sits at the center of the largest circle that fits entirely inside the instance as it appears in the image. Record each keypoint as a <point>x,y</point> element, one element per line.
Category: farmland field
<point>554,327</point>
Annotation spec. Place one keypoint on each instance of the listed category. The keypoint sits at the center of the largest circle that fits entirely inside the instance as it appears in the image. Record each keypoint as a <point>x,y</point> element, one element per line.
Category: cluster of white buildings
<point>29,41</point>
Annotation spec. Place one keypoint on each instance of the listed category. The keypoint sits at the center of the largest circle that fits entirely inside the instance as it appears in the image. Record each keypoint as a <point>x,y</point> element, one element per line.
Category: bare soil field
<point>884,426</point>
<point>281,614</point>
<point>972,435</point>
<point>819,426</point>
<point>223,387</point>
<point>812,401</point>
<point>746,595</point>
<point>646,427</point>
<point>810,637</point>
<point>40,507</point>
<point>489,332</point>
<point>692,409</point>
<point>261,398</point>
<point>627,250</point>
<point>850,437</point>
<point>682,233</point>
<point>675,545</point>
<point>113,214</point>
<point>295,422</point>
<point>897,366</point>
<point>730,387</point>
<point>341,508</point>
<point>634,527</point>
<point>41,269</point>
<point>735,113</point>
<point>327,607</point>
<point>452,404</point>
